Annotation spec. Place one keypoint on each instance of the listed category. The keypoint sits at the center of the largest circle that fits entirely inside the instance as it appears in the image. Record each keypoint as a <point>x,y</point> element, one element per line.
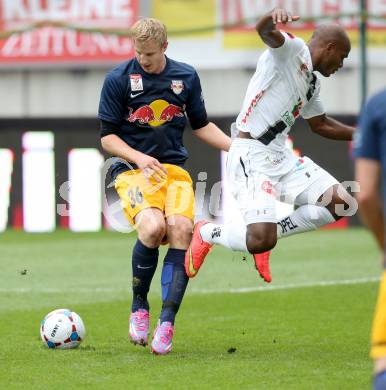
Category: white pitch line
<point>48,290</point>
<point>322,283</point>
<point>241,290</point>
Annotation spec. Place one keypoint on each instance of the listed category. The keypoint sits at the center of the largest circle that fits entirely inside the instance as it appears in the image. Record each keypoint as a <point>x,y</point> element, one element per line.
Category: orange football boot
<point>197,251</point>
<point>262,265</point>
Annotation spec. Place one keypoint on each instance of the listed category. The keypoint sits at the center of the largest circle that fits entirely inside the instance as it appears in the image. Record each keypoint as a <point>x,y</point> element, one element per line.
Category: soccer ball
<point>62,329</point>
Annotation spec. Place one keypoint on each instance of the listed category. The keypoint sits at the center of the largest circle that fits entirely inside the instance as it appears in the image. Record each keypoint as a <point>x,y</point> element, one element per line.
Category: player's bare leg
<point>150,226</point>
<point>261,237</point>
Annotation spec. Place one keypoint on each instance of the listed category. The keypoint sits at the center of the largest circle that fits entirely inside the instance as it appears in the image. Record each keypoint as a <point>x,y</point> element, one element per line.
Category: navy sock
<point>144,265</point>
<point>174,281</point>
<point>380,381</point>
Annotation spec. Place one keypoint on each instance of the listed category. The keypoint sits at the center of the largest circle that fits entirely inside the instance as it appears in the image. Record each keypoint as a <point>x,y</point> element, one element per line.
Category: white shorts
<point>258,176</point>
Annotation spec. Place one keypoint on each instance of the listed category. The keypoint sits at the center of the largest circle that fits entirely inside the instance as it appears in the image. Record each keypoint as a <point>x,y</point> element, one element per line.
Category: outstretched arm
<point>213,136</point>
<point>330,128</point>
<point>266,26</point>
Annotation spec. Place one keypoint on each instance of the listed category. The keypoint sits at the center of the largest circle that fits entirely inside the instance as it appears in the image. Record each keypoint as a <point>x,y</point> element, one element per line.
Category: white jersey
<point>282,88</point>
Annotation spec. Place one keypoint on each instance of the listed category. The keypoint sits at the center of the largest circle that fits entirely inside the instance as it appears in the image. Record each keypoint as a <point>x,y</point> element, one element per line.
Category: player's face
<point>150,55</point>
<point>333,59</point>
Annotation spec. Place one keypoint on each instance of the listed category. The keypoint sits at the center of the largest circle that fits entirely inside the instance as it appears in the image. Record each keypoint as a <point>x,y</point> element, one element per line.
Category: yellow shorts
<point>173,196</point>
<point>378,334</point>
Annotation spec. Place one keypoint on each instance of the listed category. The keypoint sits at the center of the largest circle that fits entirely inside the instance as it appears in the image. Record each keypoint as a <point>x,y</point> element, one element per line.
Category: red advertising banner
<point>57,40</point>
<point>312,12</point>
<point>346,12</point>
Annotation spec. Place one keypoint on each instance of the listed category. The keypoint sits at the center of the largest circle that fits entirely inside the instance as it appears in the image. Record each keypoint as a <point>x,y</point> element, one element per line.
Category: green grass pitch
<point>309,329</point>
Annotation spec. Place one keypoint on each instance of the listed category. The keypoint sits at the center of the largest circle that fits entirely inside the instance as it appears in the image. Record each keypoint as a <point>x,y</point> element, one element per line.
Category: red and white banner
<point>234,11</point>
<point>62,45</point>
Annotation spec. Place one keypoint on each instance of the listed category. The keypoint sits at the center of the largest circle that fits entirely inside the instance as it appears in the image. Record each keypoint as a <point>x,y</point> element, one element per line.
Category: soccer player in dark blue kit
<point>143,108</point>
<point>370,153</point>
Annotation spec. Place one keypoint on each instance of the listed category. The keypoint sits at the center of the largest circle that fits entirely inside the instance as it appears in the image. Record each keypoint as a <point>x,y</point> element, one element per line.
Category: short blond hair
<point>149,29</point>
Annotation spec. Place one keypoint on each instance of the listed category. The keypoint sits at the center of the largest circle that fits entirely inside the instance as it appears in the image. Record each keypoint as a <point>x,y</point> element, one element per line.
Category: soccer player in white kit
<point>260,168</point>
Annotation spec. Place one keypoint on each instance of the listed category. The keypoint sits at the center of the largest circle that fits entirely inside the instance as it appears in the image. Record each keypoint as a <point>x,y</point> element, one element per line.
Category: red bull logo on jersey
<point>169,112</point>
<point>144,114</point>
<point>156,113</point>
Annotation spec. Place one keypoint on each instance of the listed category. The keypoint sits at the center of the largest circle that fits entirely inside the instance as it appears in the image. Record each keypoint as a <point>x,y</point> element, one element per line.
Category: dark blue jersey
<point>370,139</point>
<point>150,110</point>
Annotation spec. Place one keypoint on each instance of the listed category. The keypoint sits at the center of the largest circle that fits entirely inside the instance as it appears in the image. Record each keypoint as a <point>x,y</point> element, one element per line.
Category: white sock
<point>230,235</point>
<point>305,218</point>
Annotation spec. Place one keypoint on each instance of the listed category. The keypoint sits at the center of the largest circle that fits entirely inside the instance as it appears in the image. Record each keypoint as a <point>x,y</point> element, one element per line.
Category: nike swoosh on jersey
<point>133,95</point>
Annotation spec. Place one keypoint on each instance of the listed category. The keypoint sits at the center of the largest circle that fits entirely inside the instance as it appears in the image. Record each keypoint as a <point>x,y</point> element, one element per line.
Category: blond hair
<point>149,29</point>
